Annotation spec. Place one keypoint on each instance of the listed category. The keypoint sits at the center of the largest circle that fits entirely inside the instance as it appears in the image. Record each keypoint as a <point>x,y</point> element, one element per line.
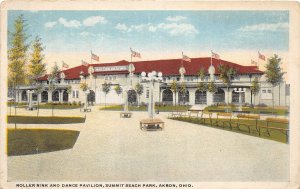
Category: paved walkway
<point>110,148</point>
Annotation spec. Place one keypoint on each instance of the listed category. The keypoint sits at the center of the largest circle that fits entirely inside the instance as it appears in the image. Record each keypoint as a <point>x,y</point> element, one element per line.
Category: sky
<point>236,36</point>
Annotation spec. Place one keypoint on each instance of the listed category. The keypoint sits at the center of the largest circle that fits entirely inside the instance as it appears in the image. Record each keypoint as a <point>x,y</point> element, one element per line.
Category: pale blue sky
<point>117,31</point>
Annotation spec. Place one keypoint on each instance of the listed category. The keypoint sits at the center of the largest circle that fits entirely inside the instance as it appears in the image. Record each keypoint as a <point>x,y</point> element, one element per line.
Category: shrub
<point>74,103</point>
<point>261,105</point>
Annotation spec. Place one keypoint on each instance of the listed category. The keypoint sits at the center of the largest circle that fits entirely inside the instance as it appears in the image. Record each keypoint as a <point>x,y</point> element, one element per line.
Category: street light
<point>151,78</point>
<point>240,91</point>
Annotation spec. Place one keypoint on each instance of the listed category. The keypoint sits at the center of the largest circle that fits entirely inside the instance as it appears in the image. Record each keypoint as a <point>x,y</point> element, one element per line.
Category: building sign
<point>110,68</point>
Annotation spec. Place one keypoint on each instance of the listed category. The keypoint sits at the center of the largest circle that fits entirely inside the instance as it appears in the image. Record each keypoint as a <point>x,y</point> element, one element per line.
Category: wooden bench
<point>248,117</point>
<point>196,114</point>
<point>125,114</point>
<point>227,121</point>
<point>85,109</point>
<point>152,124</point>
<point>269,128</point>
<point>179,113</point>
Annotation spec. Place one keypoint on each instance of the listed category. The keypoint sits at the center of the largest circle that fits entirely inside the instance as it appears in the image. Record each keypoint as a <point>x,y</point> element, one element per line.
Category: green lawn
<point>45,119</point>
<point>144,108</point>
<point>33,141</point>
<point>274,134</point>
<point>256,110</point>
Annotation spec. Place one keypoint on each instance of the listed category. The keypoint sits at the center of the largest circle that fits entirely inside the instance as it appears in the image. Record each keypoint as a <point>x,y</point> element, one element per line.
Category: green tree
<point>139,88</point>
<point>118,89</point>
<point>83,86</point>
<point>274,74</point>
<point>105,89</point>
<point>211,87</point>
<point>254,87</point>
<point>182,90</point>
<point>174,88</point>
<point>227,73</point>
<point>17,56</point>
<point>37,67</point>
<point>202,74</point>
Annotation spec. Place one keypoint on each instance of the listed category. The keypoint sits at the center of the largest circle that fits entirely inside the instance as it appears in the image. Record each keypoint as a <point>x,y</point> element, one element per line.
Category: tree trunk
<point>273,100</point>
<point>15,103</point>
<point>52,108</point>
<point>38,106</point>
<point>227,98</point>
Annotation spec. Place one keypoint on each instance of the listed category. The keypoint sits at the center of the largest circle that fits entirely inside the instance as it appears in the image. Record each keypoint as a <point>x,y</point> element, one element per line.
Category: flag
<point>65,65</point>
<point>253,62</point>
<point>215,55</point>
<point>84,63</point>
<point>94,57</point>
<point>135,54</point>
<point>185,58</point>
<point>261,56</point>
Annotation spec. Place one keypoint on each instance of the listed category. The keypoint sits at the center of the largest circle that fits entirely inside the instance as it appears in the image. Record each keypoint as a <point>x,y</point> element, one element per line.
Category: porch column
<point>39,96</point>
<point>209,97</point>
<point>192,96</point>
<point>230,95</point>
<point>60,95</point>
<point>227,94</point>
<point>49,96</point>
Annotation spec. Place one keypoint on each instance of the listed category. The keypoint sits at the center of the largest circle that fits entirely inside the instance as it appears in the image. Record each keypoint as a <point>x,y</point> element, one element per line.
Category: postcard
<point>149,94</point>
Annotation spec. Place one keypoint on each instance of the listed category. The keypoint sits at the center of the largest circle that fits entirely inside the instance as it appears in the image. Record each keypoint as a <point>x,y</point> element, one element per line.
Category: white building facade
<point>119,73</point>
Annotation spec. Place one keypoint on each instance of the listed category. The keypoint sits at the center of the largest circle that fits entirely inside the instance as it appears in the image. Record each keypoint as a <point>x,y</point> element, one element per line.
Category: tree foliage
<point>106,88</point>
<point>174,86</point>
<point>182,88</point>
<point>54,75</point>
<point>202,74</point>
<point>84,86</point>
<point>17,53</point>
<point>211,87</point>
<point>118,89</point>
<point>227,73</point>
<point>139,89</point>
<point>37,67</point>
<point>255,86</point>
<point>274,74</point>
<point>202,87</point>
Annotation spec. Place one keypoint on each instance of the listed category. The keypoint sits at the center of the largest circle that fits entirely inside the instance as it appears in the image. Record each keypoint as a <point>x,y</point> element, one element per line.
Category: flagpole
<point>181,59</point>
<point>211,58</point>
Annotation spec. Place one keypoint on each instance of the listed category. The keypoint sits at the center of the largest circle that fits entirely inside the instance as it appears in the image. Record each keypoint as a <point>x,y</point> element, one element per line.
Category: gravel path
<point>110,148</point>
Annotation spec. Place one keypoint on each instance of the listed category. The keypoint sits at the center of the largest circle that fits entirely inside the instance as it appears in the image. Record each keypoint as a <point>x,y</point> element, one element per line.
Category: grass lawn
<point>255,110</point>
<point>274,134</point>
<point>144,108</point>
<point>45,119</point>
<point>33,141</point>
<point>47,105</point>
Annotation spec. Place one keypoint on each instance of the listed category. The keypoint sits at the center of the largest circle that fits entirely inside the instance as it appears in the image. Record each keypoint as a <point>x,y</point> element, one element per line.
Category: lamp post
<point>240,91</point>
<point>151,78</point>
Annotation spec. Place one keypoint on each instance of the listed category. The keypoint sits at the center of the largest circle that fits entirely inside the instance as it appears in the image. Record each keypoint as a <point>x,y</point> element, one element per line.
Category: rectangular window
<point>73,94</point>
<point>263,91</point>
<point>147,93</point>
<point>77,94</point>
<point>266,94</point>
<point>269,91</point>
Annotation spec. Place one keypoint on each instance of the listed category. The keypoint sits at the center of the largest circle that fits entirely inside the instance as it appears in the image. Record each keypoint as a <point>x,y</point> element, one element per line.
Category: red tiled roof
<point>167,67</point>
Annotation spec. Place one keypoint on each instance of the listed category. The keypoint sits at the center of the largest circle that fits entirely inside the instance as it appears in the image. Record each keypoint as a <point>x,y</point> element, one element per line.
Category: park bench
<point>241,112</point>
<point>125,114</point>
<point>268,128</point>
<point>248,117</point>
<point>178,113</point>
<point>151,124</point>
<point>196,114</point>
<point>227,119</point>
<point>85,109</point>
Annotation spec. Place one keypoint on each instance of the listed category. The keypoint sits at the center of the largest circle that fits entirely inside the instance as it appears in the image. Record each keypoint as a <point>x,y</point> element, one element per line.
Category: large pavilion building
<point>128,74</point>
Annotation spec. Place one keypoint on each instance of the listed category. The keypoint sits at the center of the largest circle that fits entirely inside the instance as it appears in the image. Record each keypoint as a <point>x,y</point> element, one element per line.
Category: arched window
<point>200,97</point>
<point>24,96</point>
<point>44,96</point>
<point>132,97</point>
<point>219,96</point>
<point>34,97</point>
<point>55,96</point>
<point>183,97</point>
<point>65,96</point>
<point>167,96</point>
<point>91,97</point>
